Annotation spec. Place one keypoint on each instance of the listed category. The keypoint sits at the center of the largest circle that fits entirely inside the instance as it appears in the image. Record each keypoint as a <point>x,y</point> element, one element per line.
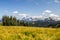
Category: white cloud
<point>23,15</point>
<point>54,17</point>
<point>47,11</point>
<point>56,1</point>
<point>34,17</point>
<point>15,12</point>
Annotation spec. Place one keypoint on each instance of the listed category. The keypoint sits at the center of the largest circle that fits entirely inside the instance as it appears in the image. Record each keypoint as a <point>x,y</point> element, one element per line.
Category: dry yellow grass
<point>28,33</point>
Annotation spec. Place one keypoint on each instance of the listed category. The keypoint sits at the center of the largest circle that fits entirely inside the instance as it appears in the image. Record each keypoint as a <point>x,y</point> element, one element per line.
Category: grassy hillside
<point>0,23</point>
<point>28,33</point>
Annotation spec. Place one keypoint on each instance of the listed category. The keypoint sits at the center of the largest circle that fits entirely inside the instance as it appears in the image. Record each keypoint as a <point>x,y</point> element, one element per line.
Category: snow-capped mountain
<point>30,19</point>
<point>40,18</point>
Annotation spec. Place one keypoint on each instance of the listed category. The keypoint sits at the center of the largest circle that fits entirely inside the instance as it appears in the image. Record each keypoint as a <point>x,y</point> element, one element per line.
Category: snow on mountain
<point>55,17</point>
<point>33,18</point>
<point>36,18</point>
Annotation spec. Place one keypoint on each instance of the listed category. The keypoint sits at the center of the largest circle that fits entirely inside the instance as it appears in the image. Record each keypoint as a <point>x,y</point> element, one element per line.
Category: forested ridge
<point>13,21</point>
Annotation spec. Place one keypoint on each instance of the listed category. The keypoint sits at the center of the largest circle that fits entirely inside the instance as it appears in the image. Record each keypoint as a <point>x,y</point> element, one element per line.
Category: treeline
<point>12,21</point>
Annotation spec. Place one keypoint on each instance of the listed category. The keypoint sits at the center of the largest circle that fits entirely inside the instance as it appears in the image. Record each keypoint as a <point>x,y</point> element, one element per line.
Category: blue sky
<point>29,7</point>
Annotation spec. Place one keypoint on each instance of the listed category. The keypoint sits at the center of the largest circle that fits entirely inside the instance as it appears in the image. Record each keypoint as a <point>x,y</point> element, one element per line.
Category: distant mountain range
<point>40,19</point>
<point>46,19</point>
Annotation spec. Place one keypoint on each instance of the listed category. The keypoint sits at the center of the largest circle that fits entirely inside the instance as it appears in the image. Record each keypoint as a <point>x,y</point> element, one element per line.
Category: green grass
<point>28,33</point>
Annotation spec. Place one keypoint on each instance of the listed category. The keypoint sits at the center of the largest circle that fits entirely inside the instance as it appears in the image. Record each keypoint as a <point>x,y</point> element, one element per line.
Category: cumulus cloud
<point>15,12</point>
<point>33,17</point>
<point>47,11</point>
<point>55,17</point>
<point>23,15</point>
<point>47,14</point>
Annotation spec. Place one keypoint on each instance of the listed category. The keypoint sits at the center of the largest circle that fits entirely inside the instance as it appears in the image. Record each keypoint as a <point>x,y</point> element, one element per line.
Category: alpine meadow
<point>28,33</point>
<point>29,19</point>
